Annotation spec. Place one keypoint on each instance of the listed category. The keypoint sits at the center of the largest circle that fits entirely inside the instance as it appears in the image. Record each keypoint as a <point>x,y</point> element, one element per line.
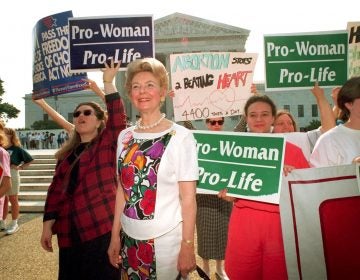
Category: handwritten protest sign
<point>51,66</point>
<point>248,165</point>
<point>94,40</point>
<point>211,84</point>
<point>299,60</point>
<point>353,29</point>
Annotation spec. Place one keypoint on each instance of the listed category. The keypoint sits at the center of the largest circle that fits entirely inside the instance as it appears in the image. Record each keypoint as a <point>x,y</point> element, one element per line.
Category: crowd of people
<point>42,140</point>
<point>123,200</point>
<point>19,159</point>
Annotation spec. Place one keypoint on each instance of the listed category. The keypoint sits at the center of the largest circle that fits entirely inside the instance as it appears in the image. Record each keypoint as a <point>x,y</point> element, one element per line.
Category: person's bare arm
<point>22,166</point>
<point>46,235</point>
<point>55,116</point>
<point>115,246</point>
<point>334,95</point>
<point>109,73</point>
<point>186,260</point>
<point>95,88</point>
<point>326,114</point>
<point>5,185</point>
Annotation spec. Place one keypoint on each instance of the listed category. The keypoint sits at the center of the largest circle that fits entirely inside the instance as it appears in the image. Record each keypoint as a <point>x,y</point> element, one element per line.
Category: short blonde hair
<point>2,124</point>
<point>14,139</point>
<point>3,139</point>
<point>148,64</point>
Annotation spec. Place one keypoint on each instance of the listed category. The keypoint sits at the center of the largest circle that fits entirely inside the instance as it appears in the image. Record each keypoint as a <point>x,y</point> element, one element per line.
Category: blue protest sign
<point>94,40</point>
<point>51,64</point>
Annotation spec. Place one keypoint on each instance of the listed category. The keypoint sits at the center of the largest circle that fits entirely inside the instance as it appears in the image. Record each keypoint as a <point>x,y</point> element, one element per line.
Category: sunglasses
<point>216,122</point>
<point>87,112</point>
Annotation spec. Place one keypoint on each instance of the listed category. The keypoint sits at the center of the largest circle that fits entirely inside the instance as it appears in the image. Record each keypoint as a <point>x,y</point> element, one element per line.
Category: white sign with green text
<point>248,165</point>
<point>294,61</point>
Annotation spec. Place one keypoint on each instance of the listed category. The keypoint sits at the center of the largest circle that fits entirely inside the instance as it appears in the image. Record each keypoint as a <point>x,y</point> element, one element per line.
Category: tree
<point>314,124</point>
<point>7,111</point>
<point>45,125</point>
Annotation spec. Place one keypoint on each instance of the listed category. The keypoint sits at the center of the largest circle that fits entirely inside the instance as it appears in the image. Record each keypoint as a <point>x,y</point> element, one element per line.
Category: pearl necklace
<point>144,127</point>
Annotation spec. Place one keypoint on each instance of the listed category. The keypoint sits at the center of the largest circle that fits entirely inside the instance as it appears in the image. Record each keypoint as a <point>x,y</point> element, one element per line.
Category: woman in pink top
<point>5,177</point>
<point>255,247</point>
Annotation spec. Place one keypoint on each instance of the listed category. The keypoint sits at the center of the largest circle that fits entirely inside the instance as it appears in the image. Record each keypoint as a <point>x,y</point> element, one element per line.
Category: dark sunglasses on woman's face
<point>87,112</point>
<point>216,122</point>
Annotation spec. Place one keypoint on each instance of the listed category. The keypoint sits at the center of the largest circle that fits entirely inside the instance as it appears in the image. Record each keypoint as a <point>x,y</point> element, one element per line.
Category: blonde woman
<point>157,169</point>
<point>20,159</point>
<point>5,175</point>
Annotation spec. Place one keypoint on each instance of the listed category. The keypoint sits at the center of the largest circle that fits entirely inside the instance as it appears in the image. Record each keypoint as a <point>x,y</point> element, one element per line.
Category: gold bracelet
<point>107,82</point>
<point>188,242</point>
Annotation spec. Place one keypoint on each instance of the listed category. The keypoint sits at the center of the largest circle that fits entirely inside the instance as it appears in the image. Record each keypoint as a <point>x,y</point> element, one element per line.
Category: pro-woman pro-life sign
<point>248,165</point>
<point>299,60</point>
<point>211,84</point>
<point>94,40</point>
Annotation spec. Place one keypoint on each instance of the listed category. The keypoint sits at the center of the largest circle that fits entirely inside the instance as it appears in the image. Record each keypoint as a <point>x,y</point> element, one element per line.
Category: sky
<point>259,16</point>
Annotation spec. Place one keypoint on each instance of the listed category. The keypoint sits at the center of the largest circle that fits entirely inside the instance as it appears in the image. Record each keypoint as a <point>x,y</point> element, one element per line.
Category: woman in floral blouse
<point>157,168</point>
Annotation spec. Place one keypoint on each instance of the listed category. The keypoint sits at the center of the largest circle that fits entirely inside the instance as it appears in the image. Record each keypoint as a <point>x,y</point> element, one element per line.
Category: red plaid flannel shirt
<point>93,202</point>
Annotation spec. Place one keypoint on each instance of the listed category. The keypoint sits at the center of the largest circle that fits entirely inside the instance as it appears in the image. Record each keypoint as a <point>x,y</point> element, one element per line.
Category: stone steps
<point>35,181</point>
<point>36,206</point>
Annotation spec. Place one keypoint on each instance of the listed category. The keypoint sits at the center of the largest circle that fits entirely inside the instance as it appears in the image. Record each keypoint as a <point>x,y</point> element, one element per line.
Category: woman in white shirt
<point>158,169</point>
<point>341,145</point>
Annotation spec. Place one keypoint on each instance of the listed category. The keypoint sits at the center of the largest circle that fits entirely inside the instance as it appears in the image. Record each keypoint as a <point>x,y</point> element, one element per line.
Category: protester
<point>255,246</point>
<point>58,118</point>
<point>212,219</point>
<point>335,108</point>
<point>5,175</point>
<point>158,169</point>
<point>80,202</point>
<point>20,159</point>
<point>341,144</point>
<point>285,122</point>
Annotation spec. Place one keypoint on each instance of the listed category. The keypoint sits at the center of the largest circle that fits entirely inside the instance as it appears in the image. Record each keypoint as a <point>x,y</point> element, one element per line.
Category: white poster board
<point>211,84</point>
<point>320,217</point>
<point>353,29</point>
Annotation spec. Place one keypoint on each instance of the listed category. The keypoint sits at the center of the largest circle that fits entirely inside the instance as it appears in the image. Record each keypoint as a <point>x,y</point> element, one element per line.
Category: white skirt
<point>167,248</point>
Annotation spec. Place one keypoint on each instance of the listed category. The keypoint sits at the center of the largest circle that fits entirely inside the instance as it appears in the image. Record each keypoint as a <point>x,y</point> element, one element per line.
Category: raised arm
<point>58,118</point>
<point>95,88</point>
<point>109,74</point>
<point>334,95</point>
<point>326,114</point>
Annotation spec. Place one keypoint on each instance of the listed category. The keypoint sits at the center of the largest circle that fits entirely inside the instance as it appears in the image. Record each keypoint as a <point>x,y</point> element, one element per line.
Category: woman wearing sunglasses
<point>58,118</point>
<point>212,219</point>
<point>80,202</point>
